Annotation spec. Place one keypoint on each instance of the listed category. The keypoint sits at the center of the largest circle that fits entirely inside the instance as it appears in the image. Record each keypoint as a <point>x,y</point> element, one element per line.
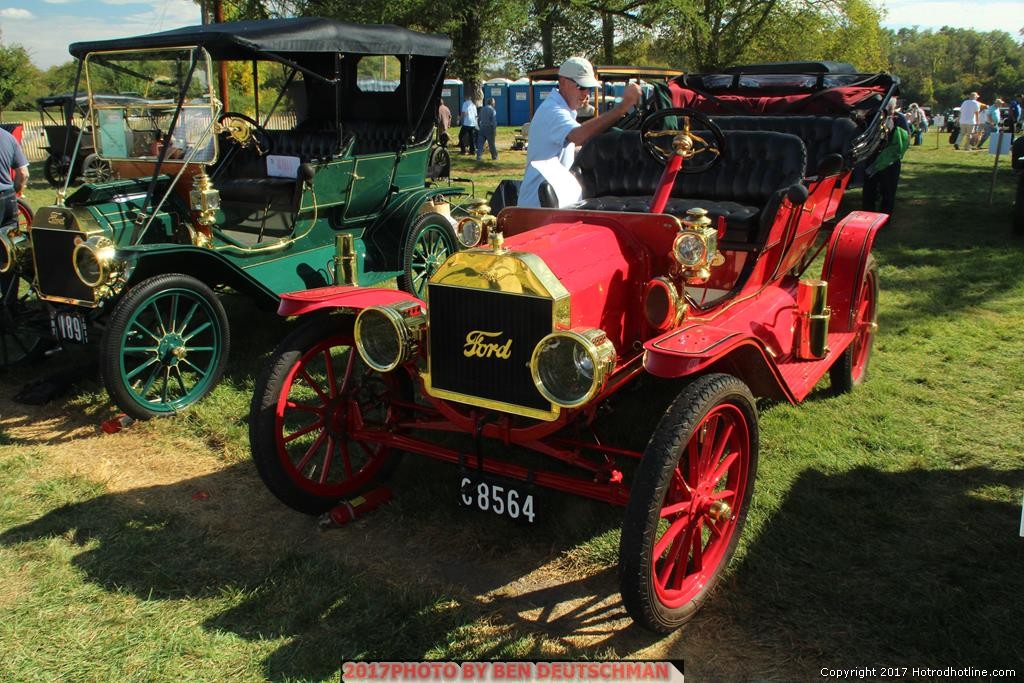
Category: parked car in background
<point>202,197</point>
<point>691,260</point>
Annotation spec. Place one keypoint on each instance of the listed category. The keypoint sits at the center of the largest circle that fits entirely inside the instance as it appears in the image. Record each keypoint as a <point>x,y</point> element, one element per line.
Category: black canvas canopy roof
<point>244,40</point>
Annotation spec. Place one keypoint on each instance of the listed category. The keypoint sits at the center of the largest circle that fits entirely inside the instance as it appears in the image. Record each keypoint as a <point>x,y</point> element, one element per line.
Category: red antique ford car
<point>687,259</point>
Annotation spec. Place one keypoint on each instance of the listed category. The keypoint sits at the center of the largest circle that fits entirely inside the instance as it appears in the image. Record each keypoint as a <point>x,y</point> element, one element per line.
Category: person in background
<point>882,176</point>
<point>13,176</point>
<point>991,121</point>
<point>444,122</point>
<point>969,110</point>
<point>918,122</point>
<point>585,112</point>
<point>1016,111</point>
<point>468,121</point>
<point>554,131</point>
<point>488,130</point>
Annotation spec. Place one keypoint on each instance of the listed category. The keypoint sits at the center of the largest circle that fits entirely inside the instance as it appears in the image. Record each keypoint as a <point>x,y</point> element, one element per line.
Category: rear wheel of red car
<point>313,393</point>
<point>429,244</point>
<point>688,502</point>
<point>851,368</point>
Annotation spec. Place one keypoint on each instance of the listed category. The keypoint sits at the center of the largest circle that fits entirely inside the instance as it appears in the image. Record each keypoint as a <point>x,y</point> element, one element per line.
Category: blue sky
<point>46,27</point>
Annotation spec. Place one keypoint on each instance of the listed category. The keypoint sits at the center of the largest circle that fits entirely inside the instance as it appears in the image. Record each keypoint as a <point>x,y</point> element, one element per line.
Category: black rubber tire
<point>440,163</point>
<point>842,374</point>
<point>24,323</point>
<point>54,171</point>
<point>25,214</point>
<point>664,452</point>
<point>111,350</point>
<point>263,416</point>
<point>418,266</point>
<point>95,169</point>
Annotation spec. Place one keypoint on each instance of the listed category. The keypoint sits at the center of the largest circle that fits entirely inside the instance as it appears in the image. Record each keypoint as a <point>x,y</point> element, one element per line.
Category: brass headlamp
<point>470,230</point>
<point>696,246</point>
<point>15,249</point>
<point>95,261</point>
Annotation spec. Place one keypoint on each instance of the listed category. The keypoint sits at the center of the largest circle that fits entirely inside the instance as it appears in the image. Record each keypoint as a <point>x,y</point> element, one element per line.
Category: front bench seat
<point>746,187</point>
<point>249,183</point>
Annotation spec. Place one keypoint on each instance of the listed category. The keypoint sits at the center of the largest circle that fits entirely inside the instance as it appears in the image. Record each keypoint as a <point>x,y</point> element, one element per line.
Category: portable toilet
<point>451,93</point>
<point>498,89</point>
<point>541,90</point>
<point>519,102</point>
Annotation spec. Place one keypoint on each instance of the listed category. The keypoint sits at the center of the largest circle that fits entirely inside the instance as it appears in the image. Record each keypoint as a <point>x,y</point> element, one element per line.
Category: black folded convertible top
<point>250,39</point>
<point>793,68</point>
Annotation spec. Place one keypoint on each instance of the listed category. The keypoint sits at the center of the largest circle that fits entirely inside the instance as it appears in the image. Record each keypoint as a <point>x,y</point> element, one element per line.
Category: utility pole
<point>218,17</point>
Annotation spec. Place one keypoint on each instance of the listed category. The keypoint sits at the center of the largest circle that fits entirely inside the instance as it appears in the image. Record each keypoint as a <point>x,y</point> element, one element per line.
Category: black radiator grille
<point>55,269</point>
<point>456,313</point>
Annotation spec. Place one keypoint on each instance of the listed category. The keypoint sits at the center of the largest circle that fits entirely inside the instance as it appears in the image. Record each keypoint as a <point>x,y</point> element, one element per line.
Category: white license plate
<point>70,326</point>
<point>500,497</point>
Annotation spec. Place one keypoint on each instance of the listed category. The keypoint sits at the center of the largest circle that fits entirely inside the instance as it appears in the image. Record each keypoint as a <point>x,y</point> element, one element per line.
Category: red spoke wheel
<point>851,368</point>
<point>313,395</point>
<point>688,502</point>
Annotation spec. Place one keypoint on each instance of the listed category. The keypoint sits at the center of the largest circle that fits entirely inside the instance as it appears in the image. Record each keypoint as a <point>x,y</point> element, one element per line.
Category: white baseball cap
<point>580,70</point>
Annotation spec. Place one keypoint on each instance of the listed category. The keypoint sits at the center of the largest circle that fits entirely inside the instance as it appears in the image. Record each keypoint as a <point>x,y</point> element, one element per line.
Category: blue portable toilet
<point>498,89</point>
<point>519,102</point>
<point>451,93</point>
<point>541,90</point>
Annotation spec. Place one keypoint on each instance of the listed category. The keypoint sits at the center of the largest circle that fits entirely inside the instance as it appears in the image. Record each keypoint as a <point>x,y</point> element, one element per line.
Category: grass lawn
<point>884,529</point>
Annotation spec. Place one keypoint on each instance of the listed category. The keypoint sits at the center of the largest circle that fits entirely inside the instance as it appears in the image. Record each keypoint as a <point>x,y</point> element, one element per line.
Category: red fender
<point>844,264</point>
<point>697,347</point>
<point>344,296</point>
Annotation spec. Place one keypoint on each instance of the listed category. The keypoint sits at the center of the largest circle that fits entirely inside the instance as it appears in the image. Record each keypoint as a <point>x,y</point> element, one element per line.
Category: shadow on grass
<point>919,568</point>
<point>911,566</point>
<point>367,590</point>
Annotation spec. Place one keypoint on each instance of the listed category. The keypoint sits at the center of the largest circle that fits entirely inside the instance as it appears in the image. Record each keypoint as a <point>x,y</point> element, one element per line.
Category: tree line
<point>510,37</point>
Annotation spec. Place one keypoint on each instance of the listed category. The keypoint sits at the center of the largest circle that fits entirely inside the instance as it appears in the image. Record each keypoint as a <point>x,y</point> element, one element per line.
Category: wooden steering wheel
<point>679,140</point>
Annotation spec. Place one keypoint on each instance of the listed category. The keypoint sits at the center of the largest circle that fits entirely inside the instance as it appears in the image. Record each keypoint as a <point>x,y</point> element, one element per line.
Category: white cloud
<point>47,38</point>
<point>986,15</point>
<point>15,13</point>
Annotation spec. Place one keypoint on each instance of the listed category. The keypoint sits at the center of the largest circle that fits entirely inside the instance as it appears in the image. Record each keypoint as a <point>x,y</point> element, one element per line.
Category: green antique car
<point>325,186</point>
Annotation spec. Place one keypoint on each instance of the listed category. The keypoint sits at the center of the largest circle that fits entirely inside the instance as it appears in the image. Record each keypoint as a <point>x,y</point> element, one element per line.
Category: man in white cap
<point>554,131</point>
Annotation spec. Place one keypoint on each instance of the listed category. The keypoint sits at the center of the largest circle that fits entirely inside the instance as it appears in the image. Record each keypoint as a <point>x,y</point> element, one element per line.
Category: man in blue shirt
<point>554,131</point>
<point>488,126</point>
<point>13,176</point>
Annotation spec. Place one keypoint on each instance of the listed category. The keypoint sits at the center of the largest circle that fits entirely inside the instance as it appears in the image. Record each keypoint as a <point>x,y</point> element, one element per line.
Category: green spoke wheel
<point>429,244</point>
<point>165,347</point>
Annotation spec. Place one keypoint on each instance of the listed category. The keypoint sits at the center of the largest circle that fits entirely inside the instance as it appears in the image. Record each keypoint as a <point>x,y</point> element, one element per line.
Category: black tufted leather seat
<point>246,179</point>
<point>821,135</point>
<point>373,137</point>
<point>306,145</point>
<point>746,187</point>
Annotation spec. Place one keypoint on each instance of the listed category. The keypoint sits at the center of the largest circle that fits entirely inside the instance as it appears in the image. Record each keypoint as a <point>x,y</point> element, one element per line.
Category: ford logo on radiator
<point>479,344</point>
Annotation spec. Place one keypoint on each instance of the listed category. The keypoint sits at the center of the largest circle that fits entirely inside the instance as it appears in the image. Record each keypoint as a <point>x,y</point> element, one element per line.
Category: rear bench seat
<point>746,186</point>
<point>374,137</point>
<point>822,135</point>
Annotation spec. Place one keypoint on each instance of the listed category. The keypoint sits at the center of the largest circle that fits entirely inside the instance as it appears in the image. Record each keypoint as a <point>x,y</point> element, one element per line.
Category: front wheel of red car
<point>851,368</point>
<point>313,396</point>
<point>688,502</point>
